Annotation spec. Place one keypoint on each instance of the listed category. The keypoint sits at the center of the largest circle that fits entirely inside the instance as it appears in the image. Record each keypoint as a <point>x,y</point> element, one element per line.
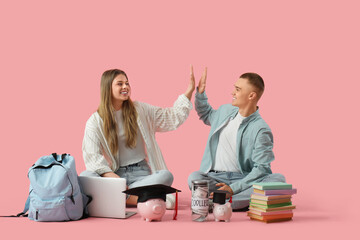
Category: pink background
<point>53,54</point>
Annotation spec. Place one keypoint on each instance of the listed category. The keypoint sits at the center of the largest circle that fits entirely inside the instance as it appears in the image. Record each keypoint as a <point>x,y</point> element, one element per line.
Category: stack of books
<point>271,202</point>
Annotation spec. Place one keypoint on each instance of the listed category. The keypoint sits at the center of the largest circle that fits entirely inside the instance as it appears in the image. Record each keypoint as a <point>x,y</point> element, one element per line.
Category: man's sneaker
<point>170,201</point>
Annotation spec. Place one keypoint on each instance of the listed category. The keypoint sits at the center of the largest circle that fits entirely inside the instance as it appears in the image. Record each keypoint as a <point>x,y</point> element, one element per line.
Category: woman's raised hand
<point>191,86</point>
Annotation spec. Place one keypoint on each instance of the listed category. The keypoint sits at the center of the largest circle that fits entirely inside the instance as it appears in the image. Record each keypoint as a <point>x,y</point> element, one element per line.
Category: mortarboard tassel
<point>176,205</point>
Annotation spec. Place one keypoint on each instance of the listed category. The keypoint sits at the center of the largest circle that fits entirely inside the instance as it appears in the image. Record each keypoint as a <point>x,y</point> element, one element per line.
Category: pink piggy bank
<point>151,200</point>
<point>152,209</point>
<point>222,212</point>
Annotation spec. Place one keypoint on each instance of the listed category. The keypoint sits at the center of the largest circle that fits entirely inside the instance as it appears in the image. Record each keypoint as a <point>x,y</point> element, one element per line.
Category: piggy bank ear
<point>228,204</point>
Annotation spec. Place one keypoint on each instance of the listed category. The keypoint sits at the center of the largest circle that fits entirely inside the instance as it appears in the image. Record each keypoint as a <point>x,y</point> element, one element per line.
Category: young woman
<point>119,139</point>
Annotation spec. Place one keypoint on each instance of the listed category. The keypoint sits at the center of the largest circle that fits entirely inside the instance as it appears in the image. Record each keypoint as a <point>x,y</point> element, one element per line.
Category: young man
<point>239,147</point>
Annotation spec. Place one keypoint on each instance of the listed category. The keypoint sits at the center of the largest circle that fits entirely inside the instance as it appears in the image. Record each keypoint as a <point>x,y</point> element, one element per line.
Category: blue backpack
<point>55,193</point>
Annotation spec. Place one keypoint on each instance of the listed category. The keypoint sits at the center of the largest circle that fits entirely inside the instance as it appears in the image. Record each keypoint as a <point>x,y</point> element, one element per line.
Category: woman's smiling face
<point>120,88</point>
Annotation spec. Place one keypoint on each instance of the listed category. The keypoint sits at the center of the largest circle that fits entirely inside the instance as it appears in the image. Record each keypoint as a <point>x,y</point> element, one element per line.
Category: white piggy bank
<point>152,209</point>
<point>222,212</point>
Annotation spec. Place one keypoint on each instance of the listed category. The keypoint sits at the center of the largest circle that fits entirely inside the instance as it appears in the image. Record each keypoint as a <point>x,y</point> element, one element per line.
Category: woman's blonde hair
<point>106,112</point>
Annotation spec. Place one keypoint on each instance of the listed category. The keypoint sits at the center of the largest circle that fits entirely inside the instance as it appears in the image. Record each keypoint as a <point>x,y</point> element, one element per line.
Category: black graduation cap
<point>220,196</point>
<point>145,193</point>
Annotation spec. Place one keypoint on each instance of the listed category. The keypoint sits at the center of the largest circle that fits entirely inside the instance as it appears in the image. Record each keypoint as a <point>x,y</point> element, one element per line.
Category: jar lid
<point>200,181</point>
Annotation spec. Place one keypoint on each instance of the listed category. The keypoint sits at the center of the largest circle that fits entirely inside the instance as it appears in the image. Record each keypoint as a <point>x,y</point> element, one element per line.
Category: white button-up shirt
<point>96,152</point>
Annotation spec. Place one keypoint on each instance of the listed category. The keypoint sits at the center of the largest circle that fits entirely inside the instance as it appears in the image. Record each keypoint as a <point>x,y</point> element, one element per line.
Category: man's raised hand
<point>202,82</point>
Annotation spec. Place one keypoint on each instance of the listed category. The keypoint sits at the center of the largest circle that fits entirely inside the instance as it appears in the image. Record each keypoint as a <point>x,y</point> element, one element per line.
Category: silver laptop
<point>108,199</point>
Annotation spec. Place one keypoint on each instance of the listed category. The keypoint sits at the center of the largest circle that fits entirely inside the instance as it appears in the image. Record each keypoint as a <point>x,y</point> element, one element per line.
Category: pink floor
<point>307,222</point>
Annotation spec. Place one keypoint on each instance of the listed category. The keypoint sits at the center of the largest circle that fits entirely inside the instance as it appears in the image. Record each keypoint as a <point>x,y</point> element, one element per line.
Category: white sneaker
<point>170,201</point>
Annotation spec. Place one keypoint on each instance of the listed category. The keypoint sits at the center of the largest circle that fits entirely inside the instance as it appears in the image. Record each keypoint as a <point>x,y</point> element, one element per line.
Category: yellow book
<point>276,192</point>
<point>260,213</point>
<point>267,198</point>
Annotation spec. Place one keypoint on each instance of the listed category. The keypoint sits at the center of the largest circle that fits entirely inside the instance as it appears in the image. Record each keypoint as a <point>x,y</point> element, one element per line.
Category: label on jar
<point>200,201</point>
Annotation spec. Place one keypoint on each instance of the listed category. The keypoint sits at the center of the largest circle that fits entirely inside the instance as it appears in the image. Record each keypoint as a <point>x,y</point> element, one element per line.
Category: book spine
<point>278,192</point>
<point>271,209</point>
<point>256,212</point>
<point>272,187</point>
<point>272,205</point>
<point>267,198</point>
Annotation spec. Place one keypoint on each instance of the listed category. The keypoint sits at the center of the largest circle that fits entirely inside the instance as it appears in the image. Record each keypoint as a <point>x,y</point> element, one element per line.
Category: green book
<point>260,209</point>
<point>271,205</point>
<point>272,185</point>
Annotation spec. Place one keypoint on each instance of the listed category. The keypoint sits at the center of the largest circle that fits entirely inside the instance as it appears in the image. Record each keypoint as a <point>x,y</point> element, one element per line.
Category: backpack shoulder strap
<point>23,213</point>
<point>26,208</point>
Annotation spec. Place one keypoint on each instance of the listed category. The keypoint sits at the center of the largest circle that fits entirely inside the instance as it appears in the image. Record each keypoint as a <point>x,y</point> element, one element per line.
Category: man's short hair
<point>256,81</point>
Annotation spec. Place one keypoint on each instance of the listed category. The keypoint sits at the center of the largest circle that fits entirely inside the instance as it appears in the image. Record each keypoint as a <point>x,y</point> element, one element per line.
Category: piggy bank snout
<point>221,211</point>
<point>157,209</point>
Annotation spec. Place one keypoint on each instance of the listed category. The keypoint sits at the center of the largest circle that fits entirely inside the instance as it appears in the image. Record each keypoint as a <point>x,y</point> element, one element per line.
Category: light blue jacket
<point>254,141</point>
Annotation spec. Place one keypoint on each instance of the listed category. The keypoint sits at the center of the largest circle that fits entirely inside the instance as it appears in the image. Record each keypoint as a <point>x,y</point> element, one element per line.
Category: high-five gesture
<point>191,86</point>
<point>202,82</point>
<point>201,85</point>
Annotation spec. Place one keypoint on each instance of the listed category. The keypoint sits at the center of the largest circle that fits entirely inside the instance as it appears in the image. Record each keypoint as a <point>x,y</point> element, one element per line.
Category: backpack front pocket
<point>47,210</point>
